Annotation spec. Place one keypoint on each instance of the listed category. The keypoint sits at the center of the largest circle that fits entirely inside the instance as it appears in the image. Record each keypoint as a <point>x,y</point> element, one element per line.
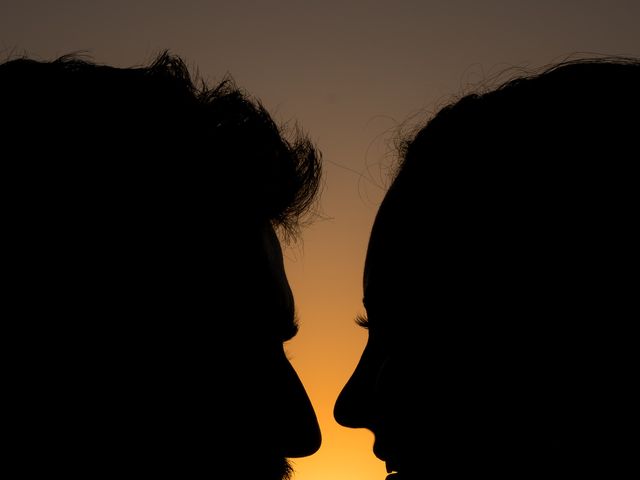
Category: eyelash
<point>362,321</point>
<point>286,353</point>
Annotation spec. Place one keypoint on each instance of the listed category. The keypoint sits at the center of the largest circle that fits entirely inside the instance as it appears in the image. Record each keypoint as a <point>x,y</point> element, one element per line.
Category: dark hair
<point>155,129</point>
<point>569,105</point>
<point>565,131</point>
<point>542,167</point>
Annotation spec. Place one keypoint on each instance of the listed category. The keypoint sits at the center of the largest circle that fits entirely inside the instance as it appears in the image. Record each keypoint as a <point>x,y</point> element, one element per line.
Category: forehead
<point>395,246</point>
<point>392,278</point>
<point>272,250</point>
<point>414,270</point>
<point>264,296</point>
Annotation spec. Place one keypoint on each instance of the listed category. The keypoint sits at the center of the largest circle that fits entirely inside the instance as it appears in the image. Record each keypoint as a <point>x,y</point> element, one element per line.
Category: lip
<point>393,474</point>
<point>391,470</point>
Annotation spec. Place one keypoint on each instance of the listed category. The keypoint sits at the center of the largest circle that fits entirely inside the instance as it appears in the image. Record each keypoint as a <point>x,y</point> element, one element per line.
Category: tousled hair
<point>216,144</point>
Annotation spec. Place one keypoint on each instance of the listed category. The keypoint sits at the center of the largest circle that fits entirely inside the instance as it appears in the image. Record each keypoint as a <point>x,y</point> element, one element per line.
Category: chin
<point>277,469</point>
<point>256,468</point>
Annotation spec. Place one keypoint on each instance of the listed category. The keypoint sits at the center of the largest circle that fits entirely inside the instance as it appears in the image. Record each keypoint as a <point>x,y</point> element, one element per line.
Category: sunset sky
<point>353,74</point>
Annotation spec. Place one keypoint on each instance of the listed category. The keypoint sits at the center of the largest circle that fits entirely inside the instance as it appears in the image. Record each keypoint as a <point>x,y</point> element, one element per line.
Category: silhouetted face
<point>495,337</point>
<point>386,393</point>
<point>428,384</point>
<point>274,419</point>
<point>171,358</point>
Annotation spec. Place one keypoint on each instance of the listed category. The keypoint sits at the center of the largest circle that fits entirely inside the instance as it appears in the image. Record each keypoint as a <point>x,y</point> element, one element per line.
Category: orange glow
<point>328,347</point>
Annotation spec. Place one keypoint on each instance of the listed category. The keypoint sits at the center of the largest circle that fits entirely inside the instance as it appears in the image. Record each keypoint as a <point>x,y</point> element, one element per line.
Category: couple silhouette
<point>147,302</point>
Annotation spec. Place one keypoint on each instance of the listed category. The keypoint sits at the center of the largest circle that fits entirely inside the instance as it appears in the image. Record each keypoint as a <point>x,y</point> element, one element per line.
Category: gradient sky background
<point>350,72</point>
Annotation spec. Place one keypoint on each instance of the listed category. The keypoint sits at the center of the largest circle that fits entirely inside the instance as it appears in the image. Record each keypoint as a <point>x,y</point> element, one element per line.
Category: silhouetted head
<point>497,283</point>
<point>140,241</point>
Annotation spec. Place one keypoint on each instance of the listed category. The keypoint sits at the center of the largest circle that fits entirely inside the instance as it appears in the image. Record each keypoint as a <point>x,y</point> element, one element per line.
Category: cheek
<point>401,387</point>
<point>256,385</point>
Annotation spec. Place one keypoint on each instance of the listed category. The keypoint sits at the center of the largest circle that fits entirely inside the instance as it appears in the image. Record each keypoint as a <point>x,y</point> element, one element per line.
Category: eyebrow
<point>290,328</point>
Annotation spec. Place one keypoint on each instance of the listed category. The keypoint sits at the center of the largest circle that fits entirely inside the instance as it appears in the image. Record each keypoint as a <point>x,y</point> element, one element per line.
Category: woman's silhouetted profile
<point>498,285</point>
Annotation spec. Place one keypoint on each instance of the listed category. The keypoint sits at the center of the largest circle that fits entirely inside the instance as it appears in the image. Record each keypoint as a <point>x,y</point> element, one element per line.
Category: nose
<point>354,405</point>
<point>301,432</point>
<point>345,409</point>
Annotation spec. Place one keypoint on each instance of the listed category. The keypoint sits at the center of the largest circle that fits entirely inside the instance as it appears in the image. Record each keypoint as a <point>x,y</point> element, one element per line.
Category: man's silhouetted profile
<point>499,285</point>
<point>146,302</point>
